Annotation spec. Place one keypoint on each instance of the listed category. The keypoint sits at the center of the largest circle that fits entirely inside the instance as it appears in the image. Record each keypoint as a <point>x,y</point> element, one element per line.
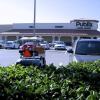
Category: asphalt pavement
<point>56,57</point>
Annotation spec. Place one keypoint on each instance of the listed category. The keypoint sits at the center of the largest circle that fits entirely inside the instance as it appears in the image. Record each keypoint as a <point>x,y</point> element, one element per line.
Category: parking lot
<point>57,57</point>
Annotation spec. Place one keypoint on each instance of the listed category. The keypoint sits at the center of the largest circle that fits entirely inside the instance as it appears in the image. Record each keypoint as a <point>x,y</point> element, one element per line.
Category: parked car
<point>60,46</point>
<point>57,42</point>
<point>86,50</point>
<point>45,45</point>
<point>2,44</point>
<point>11,45</point>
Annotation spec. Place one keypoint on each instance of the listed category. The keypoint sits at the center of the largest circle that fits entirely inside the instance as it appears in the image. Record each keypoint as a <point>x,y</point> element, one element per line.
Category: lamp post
<point>34,27</point>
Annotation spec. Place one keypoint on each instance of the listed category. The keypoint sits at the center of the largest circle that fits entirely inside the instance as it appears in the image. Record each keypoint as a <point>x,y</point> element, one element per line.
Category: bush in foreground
<point>76,81</point>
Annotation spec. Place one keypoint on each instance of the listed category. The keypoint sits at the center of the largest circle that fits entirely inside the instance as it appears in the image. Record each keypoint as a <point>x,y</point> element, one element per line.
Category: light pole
<point>34,27</point>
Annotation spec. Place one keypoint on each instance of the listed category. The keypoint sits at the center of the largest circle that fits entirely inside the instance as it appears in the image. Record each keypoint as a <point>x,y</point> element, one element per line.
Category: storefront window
<point>56,38</point>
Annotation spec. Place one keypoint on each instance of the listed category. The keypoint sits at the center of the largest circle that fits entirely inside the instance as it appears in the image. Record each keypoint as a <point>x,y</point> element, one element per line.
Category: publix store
<point>67,32</point>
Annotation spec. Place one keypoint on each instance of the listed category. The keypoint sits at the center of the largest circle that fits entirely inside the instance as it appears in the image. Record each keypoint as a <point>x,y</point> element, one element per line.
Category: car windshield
<point>9,43</point>
<point>88,48</point>
<point>43,42</point>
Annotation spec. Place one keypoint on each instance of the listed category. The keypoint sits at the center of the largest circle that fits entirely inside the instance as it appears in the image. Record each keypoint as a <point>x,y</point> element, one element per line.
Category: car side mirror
<point>70,51</point>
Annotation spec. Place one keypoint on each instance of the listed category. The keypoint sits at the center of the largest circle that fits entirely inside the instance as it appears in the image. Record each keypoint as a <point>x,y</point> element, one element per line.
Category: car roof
<point>29,43</point>
<point>10,41</point>
<point>59,44</point>
<point>89,40</point>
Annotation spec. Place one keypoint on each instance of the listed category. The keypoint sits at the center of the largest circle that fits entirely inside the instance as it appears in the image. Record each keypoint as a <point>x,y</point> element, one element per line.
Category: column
<point>78,37</point>
<point>72,39</point>
<point>53,38</point>
<point>59,38</point>
<point>17,37</point>
<point>40,36</point>
<point>1,38</point>
<point>5,38</point>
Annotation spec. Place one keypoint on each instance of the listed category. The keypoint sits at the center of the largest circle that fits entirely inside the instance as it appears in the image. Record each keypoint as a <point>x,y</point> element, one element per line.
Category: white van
<point>86,50</point>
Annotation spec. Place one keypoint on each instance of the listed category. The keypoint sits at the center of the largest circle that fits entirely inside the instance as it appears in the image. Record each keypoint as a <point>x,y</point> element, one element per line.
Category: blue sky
<point>48,11</point>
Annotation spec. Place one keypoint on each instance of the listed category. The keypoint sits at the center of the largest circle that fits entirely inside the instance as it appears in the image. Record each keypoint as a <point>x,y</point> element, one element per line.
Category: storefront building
<point>67,32</point>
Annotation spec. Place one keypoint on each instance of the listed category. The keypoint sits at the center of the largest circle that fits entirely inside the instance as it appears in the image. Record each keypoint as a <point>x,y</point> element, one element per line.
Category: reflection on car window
<point>88,47</point>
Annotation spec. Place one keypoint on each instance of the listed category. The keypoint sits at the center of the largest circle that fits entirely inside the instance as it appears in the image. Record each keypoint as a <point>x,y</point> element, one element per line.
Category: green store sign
<point>83,25</point>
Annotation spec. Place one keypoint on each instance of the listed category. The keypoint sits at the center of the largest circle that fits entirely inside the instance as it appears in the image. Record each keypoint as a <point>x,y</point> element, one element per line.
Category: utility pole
<point>34,25</point>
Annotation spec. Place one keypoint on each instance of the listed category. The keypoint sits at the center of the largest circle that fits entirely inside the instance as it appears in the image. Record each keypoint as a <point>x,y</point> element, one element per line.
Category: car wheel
<point>43,61</point>
<point>14,47</point>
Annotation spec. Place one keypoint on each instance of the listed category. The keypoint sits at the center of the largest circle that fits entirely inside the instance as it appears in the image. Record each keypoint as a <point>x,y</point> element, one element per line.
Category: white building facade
<point>67,32</point>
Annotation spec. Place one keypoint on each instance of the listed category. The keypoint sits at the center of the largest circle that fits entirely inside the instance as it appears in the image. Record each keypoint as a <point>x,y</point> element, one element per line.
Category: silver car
<point>86,50</point>
<point>45,45</point>
<point>2,44</point>
<point>11,45</point>
<point>59,46</point>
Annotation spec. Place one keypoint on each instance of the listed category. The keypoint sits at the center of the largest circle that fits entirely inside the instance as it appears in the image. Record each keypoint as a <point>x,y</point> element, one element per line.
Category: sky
<point>48,11</point>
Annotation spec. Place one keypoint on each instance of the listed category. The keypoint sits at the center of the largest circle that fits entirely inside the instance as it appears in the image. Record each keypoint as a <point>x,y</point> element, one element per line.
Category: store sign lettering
<point>83,25</point>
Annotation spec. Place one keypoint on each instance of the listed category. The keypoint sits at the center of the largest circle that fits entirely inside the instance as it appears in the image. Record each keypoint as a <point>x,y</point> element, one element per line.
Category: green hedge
<point>76,81</point>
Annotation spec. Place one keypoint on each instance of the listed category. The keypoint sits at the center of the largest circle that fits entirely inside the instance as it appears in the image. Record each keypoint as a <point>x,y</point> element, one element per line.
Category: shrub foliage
<point>76,81</point>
